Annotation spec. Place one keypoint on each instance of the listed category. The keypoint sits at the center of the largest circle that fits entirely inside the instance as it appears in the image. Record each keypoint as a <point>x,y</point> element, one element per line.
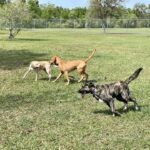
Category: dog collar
<point>94,94</point>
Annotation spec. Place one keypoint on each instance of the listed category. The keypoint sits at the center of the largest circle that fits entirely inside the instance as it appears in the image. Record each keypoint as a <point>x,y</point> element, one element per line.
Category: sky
<point>84,3</point>
<point>131,3</point>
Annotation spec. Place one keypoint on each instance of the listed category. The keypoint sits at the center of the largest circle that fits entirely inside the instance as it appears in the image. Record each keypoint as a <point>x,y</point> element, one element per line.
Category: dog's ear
<point>91,84</point>
<point>88,83</point>
<point>54,60</point>
<point>57,60</point>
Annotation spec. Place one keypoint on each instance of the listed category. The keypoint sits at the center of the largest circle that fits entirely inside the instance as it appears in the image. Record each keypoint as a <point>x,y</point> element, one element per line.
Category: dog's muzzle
<point>82,93</point>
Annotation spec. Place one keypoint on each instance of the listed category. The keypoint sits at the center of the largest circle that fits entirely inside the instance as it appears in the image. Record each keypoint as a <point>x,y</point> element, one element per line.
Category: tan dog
<point>37,66</point>
<point>67,66</point>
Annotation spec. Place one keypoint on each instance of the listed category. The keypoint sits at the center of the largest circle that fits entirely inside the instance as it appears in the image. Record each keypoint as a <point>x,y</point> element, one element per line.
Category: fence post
<point>74,23</point>
<point>103,26</point>
<point>46,24</point>
<point>59,23</point>
<point>34,23</point>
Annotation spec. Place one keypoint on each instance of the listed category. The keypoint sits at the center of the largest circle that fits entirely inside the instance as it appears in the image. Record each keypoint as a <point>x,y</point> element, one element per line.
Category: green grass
<point>45,115</point>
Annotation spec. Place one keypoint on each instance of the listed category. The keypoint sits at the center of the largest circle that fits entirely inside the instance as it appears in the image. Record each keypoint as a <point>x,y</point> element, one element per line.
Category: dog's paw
<point>137,108</point>
<point>67,83</point>
<point>125,108</point>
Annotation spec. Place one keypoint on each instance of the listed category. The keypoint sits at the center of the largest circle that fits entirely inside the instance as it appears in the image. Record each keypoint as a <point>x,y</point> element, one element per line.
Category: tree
<point>77,13</point>
<point>141,10</point>
<point>149,10</point>
<point>65,13</point>
<point>103,8</point>
<point>34,8</point>
<point>46,11</point>
<point>2,2</point>
<point>14,15</point>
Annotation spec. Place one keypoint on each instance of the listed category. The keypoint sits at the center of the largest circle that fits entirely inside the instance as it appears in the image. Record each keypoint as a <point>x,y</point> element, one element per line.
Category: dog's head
<point>55,60</point>
<point>86,89</point>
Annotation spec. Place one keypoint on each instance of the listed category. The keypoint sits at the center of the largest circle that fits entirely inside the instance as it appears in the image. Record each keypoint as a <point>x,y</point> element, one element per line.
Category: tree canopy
<point>14,15</point>
<point>97,9</point>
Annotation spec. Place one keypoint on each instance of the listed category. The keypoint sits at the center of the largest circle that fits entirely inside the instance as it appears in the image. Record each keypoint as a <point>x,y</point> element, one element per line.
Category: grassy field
<point>50,116</point>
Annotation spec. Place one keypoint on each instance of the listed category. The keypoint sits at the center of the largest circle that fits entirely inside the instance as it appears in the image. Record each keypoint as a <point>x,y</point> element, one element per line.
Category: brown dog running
<point>67,66</point>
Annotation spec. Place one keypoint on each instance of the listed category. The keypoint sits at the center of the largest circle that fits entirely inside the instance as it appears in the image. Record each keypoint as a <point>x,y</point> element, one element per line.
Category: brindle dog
<point>108,92</point>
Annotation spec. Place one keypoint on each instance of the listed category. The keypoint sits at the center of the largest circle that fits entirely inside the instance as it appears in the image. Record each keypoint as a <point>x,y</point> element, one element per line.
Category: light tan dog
<point>37,66</point>
<point>67,66</point>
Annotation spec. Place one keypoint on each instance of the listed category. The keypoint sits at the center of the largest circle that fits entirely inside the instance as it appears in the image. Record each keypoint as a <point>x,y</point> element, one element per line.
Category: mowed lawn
<point>51,116</point>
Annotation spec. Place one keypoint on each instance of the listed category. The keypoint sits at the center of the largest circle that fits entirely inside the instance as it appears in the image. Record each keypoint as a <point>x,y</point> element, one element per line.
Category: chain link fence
<point>83,23</point>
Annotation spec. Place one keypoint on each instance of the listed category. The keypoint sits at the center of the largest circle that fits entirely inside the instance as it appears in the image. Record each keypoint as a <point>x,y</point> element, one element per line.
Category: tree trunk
<point>11,36</point>
<point>104,28</point>
<point>13,33</point>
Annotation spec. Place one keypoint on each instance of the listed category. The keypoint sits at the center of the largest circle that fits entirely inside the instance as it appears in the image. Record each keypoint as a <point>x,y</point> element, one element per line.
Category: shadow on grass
<point>13,101</point>
<point>93,81</point>
<point>23,40</point>
<point>2,33</point>
<point>32,100</point>
<point>13,59</point>
<point>75,81</point>
<point>120,33</point>
<point>72,79</point>
<point>29,39</point>
<point>46,78</point>
<point>120,110</point>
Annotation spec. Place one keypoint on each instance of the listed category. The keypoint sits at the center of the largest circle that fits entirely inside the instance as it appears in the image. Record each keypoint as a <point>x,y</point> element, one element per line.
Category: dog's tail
<point>133,76</point>
<point>90,56</point>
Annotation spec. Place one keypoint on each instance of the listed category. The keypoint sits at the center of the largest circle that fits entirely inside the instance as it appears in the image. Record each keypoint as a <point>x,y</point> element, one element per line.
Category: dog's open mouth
<point>82,95</point>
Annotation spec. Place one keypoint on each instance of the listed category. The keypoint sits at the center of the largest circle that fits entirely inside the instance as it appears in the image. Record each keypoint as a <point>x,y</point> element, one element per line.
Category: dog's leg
<point>111,103</point>
<point>108,104</point>
<point>126,98</point>
<point>81,72</point>
<point>67,77</point>
<point>26,73</point>
<point>125,107</point>
<point>122,99</point>
<point>86,76</point>
<point>36,76</point>
<point>49,76</point>
<point>112,106</point>
<point>48,72</point>
<point>82,77</point>
<point>131,99</point>
<point>58,77</point>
